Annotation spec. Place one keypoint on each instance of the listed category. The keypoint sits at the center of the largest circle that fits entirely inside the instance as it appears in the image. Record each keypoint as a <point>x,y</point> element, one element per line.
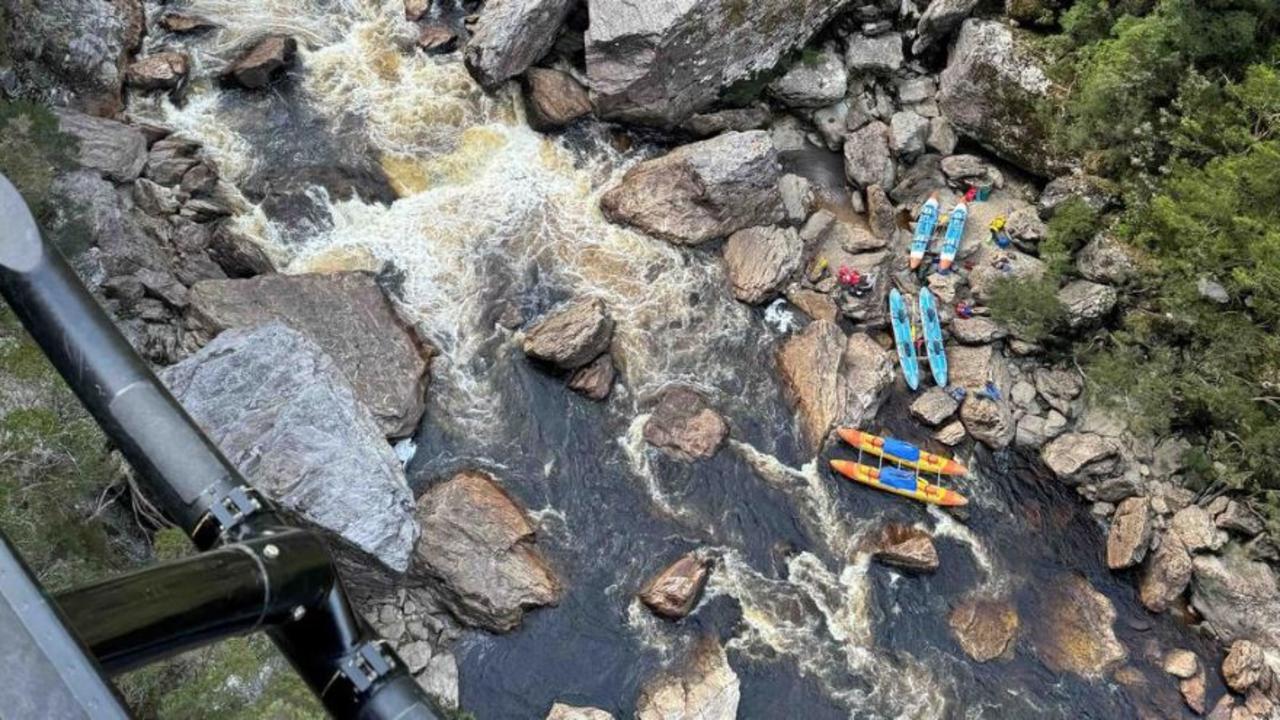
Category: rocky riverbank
<point>316,372</point>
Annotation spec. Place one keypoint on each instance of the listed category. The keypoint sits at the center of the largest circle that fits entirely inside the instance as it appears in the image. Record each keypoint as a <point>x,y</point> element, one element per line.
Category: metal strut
<point>294,594</point>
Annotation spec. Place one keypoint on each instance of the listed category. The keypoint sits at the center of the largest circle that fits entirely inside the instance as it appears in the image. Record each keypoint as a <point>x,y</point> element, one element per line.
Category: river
<point>488,214</point>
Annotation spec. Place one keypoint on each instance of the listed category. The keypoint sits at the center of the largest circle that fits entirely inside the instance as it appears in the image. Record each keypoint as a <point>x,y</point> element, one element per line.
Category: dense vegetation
<point>1178,103</point>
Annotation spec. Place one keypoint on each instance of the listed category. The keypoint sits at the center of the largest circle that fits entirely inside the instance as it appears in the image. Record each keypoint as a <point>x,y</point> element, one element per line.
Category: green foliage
<point>1074,223</point>
<point>32,151</point>
<point>1029,307</point>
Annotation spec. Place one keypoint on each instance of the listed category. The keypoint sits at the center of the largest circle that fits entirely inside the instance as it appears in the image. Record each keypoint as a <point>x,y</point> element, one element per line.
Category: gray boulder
<point>934,406</point>
<point>759,261</point>
<point>161,71</point>
<point>876,55</point>
<point>283,412</point>
<point>1106,260</point>
<point>1076,457</point>
<point>510,35</point>
<point>906,547</point>
<point>938,21</point>
<point>866,156</point>
<point>991,90</point>
<point>825,230</point>
<point>1087,303</point>
<point>348,316</point>
<point>907,133</point>
<point>265,61</point>
<point>702,191</point>
<point>561,711</point>
<point>69,52</point>
<point>707,124</point>
<point>116,150</point>
<point>1237,597</point>
<point>571,335</point>
<point>1166,575</point>
<point>478,552</point>
<point>1099,194</point>
<point>812,83</point>
<point>988,421</point>
<point>1194,527</point>
<point>1058,387</point>
<point>1130,533</point>
<point>659,63</point>
<point>977,330</point>
<point>594,380</point>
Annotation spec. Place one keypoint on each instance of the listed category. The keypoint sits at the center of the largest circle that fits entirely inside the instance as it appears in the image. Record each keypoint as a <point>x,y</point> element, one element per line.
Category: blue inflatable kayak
<point>902,338</point>
<point>955,233</point>
<point>933,337</point>
<point>924,232</point>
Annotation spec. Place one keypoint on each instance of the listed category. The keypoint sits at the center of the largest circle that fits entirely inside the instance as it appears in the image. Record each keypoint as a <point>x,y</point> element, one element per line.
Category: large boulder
<point>68,52</point>
<point>938,21</point>
<point>674,592</point>
<point>510,35</point>
<point>759,261</point>
<point>1194,527</point>
<point>831,378</point>
<point>906,547</point>
<point>1237,597</point>
<point>1058,387</point>
<point>1106,260</point>
<point>348,316</point>
<point>985,627</point>
<point>866,156</point>
<point>992,90</point>
<point>1130,533</point>
<point>988,421</point>
<point>562,711</point>
<point>285,414</point>
<point>977,330</point>
<point>881,54</point>
<point>992,265</point>
<point>553,99</point>
<point>1245,666</point>
<point>707,688</point>
<point>812,82</point>
<point>1087,303</point>
<point>1075,457</point>
<point>1166,576</point>
<point>702,191</point>
<point>594,380</point>
<point>660,63</point>
<point>116,150</point>
<point>1075,632</point>
<point>571,335</point>
<point>477,549</point>
<point>973,366</point>
<point>934,406</point>
<point>161,71</point>
<point>685,426</point>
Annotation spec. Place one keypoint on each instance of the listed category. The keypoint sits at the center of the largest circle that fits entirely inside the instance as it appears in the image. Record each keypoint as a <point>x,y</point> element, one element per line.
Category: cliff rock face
<point>659,63</point>
<point>283,412</point>
<point>70,52</point>
<point>991,90</point>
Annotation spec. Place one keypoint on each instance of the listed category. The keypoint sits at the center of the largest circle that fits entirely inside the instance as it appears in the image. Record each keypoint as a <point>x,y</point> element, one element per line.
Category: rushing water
<point>489,214</point>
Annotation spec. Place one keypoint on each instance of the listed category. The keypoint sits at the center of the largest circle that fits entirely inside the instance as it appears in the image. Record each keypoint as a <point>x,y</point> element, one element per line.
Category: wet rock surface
<point>685,426</point>
<point>284,413</point>
<point>674,591</point>
<point>510,35</point>
<point>1075,633</point>
<point>479,554</point>
<point>986,628</point>
<point>346,314</point>
<point>571,335</point>
<point>905,547</point>
<point>553,99</point>
<point>262,63</point>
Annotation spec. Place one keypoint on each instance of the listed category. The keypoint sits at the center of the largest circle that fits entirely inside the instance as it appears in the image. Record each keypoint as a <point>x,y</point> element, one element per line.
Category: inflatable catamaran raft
<point>904,479</point>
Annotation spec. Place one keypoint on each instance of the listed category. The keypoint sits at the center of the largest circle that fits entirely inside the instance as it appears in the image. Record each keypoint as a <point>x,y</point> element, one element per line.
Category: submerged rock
<point>707,688</point>
<point>991,90</point>
<point>685,425</point>
<point>561,711</point>
<point>674,592</point>
<point>553,99</point>
<point>701,191</point>
<point>1075,633</point>
<point>347,315</point>
<point>1181,663</point>
<point>510,35</point>
<point>263,62</point>
<point>906,547</point>
<point>759,261</point>
<point>283,412</point>
<point>571,335</point>
<point>985,627</point>
<point>477,548</point>
<point>658,64</point>
<point>1130,533</point>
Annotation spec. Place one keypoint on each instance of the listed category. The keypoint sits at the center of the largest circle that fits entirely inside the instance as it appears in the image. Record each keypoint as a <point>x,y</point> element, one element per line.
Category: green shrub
<point>1029,307</point>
